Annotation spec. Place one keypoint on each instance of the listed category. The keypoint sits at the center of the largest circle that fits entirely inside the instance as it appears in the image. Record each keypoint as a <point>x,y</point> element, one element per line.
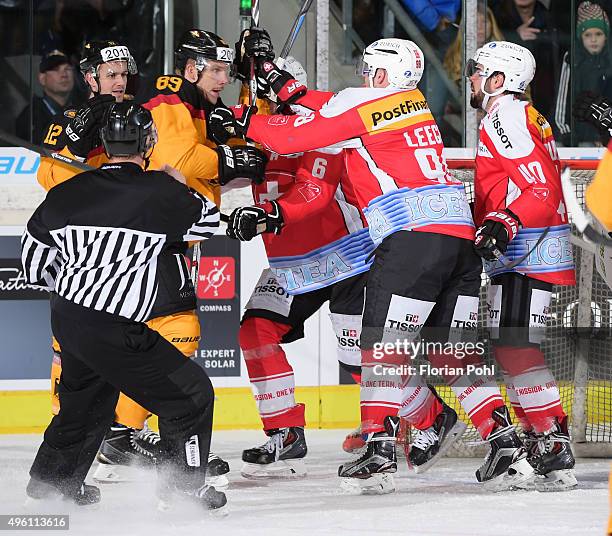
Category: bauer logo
<point>18,165</point>
<point>216,278</point>
<point>192,451</point>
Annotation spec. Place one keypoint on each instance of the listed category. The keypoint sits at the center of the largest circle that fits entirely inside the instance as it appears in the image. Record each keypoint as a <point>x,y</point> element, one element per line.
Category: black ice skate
<point>37,490</point>
<point>552,459</point>
<point>124,449</point>
<point>370,472</point>
<point>282,456</point>
<point>207,496</point>
<point>431,444</point>
<point>505,466</point>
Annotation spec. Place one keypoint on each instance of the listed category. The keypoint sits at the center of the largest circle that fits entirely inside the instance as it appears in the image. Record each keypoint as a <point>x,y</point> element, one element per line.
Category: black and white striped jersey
<point>95,240</point>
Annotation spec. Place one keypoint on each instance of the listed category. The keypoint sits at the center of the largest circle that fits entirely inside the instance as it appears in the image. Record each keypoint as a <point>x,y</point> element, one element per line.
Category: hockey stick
<point>580,218</point>
<point>507,263</point>
<point>295,30</point>
<point>253,79</point>
<point>43,151</point>
<point>18,142</point>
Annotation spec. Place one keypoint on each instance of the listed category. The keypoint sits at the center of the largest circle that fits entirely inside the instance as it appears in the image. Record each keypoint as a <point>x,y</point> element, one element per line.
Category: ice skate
<point>432,443</point>
<point>212,500</point>
<point>216,472</point>
<point>37,490</point>
<point>282,456</point>
<point>369,473</point>
<point>124,452</point>
<point>505,466</point>
<point>553,460</point>
<point>354,441</point>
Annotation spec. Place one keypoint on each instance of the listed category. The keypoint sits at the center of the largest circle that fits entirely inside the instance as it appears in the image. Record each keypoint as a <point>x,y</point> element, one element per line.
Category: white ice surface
<point>445,501</point>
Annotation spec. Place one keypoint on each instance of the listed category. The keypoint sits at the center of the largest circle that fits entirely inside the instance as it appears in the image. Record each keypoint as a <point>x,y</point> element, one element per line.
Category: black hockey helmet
<point>201,46</point>
<point>128,130</point>
<point>95,53</point>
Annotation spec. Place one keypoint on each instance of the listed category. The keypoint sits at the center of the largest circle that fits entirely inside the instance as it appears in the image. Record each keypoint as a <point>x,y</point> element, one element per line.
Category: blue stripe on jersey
<point>324,266</point>
<point>407,209</point>
<point>554,254</point>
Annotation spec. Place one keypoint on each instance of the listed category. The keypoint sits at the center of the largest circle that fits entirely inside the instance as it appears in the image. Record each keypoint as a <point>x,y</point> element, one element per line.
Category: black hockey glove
<point>253,43</point>
<point>83,129</point>
<point>223,123</point>
<point>245,223</point>
<point>497,229</point>
<point>287,89</point>
<point>244,161</point>
<point>596,110</point>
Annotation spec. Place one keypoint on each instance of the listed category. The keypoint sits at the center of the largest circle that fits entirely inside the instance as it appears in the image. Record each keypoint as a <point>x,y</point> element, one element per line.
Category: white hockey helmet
<point>402,59</point>
<point>516,62</point>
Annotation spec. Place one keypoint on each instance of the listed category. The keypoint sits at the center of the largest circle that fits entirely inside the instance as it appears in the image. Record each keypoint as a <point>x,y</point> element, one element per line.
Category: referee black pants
<point>103,354</point>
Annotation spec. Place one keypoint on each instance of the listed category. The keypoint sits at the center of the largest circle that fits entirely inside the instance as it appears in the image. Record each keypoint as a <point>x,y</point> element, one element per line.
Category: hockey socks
<point>534,387</point>
<point>271,375</point>
<point>478,395</point>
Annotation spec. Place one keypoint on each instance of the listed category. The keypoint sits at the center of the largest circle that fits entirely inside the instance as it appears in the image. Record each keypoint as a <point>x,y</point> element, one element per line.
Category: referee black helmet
<point>128,130</point>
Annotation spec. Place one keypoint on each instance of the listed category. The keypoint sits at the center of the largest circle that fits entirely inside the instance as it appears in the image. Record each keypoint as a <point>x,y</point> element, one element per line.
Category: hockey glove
<point>225,123</point>
<point>253,43</point>
<point>497,229</point>
<point>245,223</point>
<point>592,108</point>
<point>287,89</point>
<point>83,129</point>
<point>244,161</point>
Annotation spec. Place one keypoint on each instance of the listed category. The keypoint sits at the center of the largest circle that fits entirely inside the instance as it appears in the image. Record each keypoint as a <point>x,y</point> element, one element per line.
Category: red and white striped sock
<point>534,385</point>
<point>478,395</point>
<point>271,375</point>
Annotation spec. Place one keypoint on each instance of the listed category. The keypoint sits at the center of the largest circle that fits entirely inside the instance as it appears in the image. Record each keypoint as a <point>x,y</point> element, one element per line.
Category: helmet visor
<point>471,68</point>
<point>362,68</point>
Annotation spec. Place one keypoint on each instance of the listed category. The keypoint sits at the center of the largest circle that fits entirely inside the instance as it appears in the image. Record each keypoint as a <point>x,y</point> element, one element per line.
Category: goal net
<point>578,345</point>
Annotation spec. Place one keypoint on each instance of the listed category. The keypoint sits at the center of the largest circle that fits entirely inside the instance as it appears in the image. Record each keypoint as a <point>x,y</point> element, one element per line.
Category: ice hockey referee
<point>94,243</point>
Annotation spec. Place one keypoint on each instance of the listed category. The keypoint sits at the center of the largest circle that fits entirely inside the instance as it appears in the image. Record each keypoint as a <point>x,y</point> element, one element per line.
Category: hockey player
<point>102,294</point>
<point>518,194</point>
<point>318,247</point>
<point>424,271</point>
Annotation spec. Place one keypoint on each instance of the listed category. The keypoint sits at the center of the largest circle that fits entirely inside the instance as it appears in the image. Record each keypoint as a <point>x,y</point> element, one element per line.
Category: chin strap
<point>488,95</point>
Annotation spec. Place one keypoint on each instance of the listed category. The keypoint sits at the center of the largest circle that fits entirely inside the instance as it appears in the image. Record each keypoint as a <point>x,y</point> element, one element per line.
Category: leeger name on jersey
<point>394,154</point>
<point>325,237</point>
<point>517,167</point>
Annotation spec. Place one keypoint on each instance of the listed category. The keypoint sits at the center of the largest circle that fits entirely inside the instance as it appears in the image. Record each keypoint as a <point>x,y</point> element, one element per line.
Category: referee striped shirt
<point>96,239</point>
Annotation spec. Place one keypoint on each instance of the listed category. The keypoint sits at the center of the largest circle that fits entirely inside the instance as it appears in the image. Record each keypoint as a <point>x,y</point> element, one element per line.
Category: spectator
<point>437,19</point>
<point>592,71</point>
<point>488,30</point>
<point>528,23</point>
<point>56,76</point>
<point>433,15</point>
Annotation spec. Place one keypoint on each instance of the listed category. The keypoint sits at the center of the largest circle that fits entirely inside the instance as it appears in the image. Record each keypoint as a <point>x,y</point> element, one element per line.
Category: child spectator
<point>592,71</point>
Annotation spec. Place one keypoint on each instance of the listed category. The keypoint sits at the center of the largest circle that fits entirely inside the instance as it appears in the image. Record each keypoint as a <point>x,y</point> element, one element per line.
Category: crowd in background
<point>569,40</point>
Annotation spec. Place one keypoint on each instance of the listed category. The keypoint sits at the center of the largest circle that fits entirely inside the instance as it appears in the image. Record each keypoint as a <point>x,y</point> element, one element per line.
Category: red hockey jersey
<point>517,166</point>
<point>325,237</point>
<point>393,153</point>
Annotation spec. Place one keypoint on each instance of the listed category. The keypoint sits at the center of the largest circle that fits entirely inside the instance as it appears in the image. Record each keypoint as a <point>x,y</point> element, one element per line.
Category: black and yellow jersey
<point>52,172</point>
<point>179,111</point>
